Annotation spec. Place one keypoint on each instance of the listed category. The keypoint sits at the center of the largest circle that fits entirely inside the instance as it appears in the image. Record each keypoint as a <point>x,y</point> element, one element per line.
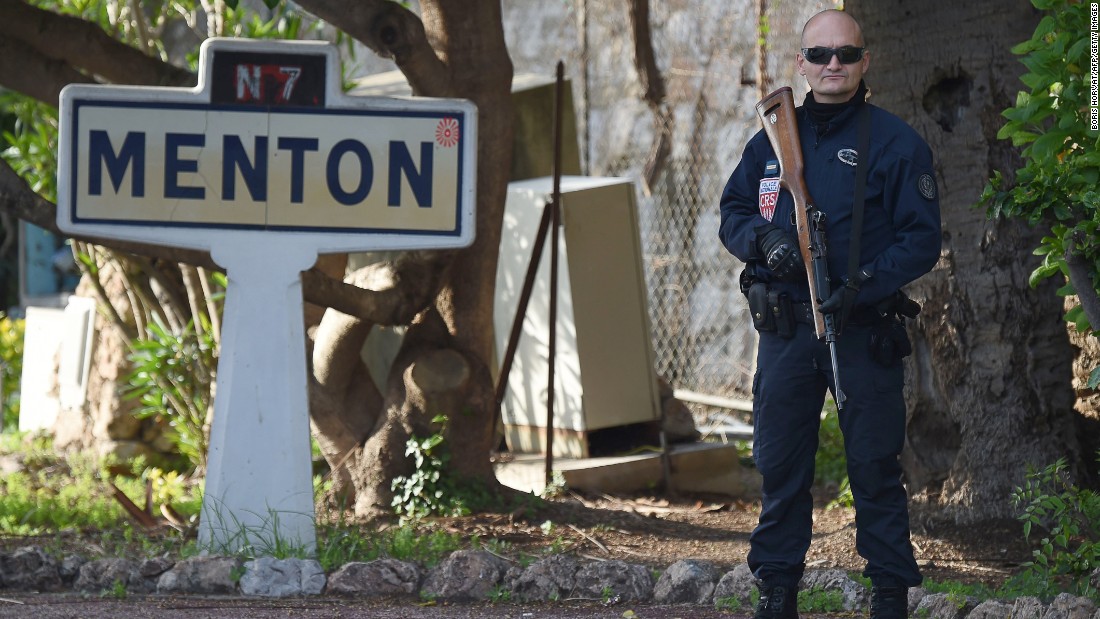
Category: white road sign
<point>265,164</point>
<point>171,165</point>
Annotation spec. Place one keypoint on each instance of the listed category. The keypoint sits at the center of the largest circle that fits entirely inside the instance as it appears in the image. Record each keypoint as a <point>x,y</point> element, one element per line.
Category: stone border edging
<point>478,575</point>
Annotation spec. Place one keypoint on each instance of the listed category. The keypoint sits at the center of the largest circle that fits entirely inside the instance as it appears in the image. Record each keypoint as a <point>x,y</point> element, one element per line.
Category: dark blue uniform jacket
<point>901,222</point>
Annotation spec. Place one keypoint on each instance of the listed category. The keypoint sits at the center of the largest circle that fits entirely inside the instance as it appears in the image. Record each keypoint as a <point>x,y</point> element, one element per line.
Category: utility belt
<point>772,311</point>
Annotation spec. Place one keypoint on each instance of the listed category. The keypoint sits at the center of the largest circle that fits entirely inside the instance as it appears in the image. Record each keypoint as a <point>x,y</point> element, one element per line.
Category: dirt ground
<point>658,531</point>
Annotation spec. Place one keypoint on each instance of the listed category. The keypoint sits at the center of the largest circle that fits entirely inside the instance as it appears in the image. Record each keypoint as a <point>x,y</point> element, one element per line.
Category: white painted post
<point>259,488</point>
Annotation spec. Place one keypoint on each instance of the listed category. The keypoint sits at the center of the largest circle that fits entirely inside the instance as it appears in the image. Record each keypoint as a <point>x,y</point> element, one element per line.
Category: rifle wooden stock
<point>776,112</point>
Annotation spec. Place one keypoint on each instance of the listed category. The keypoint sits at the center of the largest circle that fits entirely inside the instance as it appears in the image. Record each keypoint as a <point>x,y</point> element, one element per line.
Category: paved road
<point>77,606</point>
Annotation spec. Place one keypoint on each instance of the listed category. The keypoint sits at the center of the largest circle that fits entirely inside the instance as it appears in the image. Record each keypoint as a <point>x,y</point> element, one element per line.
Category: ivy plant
<point>430,489</point>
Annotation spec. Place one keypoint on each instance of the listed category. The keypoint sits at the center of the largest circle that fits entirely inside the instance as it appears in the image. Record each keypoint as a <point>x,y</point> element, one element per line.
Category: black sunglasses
<point>849,54</point>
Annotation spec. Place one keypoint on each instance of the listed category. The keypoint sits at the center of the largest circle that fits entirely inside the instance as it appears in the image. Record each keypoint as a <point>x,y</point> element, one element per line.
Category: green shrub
<point>11,368</point>
<point>173,375</point>
<point>1056,189</point>
<point>831,462</point>
<point>1068,520</point>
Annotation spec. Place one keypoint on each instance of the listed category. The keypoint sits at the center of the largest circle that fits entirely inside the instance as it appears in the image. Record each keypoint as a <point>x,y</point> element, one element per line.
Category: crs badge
<point>769,196</point>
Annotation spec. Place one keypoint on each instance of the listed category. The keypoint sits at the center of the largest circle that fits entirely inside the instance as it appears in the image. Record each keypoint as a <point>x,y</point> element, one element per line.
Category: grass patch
<point>72,492</point>
<point>66,501</point>
<point>344,542</point>
<point>818,600</point>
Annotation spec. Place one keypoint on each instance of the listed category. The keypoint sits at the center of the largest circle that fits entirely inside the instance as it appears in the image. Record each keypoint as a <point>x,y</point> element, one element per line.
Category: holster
<point>762,317</point>
<point>888,341</point>
<point>771,310</point>
<point>898,304</point>
<point>780,305</point>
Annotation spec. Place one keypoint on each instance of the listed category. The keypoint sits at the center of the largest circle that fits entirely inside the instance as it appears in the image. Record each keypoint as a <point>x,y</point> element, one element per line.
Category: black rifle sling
<point>863,156</point>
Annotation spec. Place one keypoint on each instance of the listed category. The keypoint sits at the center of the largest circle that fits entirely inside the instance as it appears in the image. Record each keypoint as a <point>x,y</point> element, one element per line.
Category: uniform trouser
<point>789,389</point>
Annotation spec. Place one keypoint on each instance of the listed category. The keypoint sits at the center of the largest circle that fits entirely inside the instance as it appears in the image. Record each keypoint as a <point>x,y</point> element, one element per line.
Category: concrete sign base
<point>259,489</point>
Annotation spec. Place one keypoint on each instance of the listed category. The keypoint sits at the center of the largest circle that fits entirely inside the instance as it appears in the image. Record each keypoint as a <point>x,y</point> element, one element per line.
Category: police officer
<point>900,241</point>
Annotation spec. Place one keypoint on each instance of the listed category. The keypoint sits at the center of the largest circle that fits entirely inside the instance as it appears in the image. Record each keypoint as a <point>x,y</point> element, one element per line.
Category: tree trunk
<point>989,382</point>
<point>443,365</point>
<point>471,39</point>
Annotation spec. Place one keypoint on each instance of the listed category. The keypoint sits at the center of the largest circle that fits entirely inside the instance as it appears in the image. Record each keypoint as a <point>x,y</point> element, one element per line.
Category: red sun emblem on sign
<point>446,132</point>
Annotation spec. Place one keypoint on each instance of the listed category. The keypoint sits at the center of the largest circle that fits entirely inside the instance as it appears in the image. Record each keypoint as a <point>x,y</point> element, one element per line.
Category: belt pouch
<point>762,317</point>
<point>779,303</point>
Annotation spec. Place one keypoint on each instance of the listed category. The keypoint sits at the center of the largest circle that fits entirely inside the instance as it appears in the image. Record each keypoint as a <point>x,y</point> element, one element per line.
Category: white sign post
<point>265,164</point>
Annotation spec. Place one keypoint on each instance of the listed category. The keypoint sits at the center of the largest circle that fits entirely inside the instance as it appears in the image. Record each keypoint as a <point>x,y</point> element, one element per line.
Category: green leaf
<point>1025,47</point>
<point>1047,145</point>
<point>1018,137</point>
<point>1094,378</point>
<point>271,4</point>
<point>231,4</point>
<point>1041,273</point>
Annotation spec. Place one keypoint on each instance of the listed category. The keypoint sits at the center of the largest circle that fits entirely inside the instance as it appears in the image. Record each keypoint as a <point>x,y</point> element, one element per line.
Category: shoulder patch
<point>769,197</point>
<point>927,186</point>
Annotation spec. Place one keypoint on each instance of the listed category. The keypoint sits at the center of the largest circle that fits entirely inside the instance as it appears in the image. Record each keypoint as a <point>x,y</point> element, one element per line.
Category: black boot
<point>890,602</point>
<point>776,601</point>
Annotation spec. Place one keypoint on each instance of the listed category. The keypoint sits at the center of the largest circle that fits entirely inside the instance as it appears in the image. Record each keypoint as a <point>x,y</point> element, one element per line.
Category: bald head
<point>826,33</point>
<point>831,20</point>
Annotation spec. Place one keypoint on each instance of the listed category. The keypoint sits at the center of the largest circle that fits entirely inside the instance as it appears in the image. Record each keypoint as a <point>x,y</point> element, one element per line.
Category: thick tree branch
<point>344,402</point>
<point>645,60</point>
<point>18,199</point>
<point>83,44</point>
<point>1082,281</point>
<point>390,293</point>
<point>391,31</point>
<point>654,94</point>
<point>26,70</point>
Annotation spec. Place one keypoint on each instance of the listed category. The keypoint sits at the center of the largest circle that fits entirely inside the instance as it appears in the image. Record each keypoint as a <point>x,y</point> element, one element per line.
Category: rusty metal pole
<point>521,308</point>
<point>550,217</point>
<point>555,223</point>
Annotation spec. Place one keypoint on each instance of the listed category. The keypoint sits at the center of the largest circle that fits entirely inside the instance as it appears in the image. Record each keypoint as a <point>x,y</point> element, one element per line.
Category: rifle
<point>776,112</point>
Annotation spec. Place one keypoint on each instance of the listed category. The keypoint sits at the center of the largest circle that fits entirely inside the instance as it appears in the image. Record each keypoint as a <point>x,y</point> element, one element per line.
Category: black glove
<point>833,308</point>
<point>780,251</point>
<point>833,304</point>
